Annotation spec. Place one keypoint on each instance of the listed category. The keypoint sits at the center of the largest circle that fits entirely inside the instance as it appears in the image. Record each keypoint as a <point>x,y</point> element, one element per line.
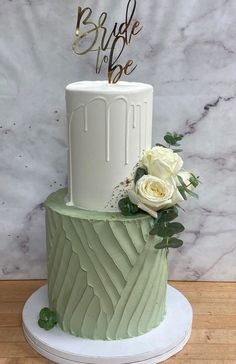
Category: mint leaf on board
<point>140,172</point>
<point>45,314</point>
<point>47,319</point>
<point>127,208</point>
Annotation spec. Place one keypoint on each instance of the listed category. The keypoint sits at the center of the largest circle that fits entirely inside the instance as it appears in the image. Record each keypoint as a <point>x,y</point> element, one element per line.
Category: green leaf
<point>178,137</point>
<point>41,323</point>
<point>168,214</point>
<point>175,243</point>
<point>177,150</point>
<point>182,192</point>
<point>140,172</point>
<point>181,181</point>
<point>191,193</point>
<point>52,319</point>
<point>170,139</point>
<point>162,230</point>
<point>175,228</point>
<point>193,181</point>
<point>153,231</point>
<point>160,145</point>
<point>169,229</point>
<point>169,243</point>
<point>127,208</point>
<point>179,207</point>
<point>48,325</point>
<point>47,318</point>
<point>163,244</point>
<point>44,314</point>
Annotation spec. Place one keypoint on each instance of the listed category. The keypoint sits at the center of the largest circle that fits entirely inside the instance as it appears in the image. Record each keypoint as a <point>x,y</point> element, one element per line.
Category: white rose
<point>152,194</point>
<point>162,162</point>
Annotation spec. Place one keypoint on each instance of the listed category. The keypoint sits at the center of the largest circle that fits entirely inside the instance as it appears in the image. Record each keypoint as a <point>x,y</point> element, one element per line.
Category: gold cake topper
<point>96,39</point>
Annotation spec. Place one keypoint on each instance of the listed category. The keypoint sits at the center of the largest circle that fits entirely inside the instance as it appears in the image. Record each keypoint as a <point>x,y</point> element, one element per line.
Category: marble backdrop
<point>187,51</point>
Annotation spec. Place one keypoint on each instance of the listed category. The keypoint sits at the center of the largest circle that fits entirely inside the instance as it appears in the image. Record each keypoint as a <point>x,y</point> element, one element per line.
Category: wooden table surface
<point>213,338</point>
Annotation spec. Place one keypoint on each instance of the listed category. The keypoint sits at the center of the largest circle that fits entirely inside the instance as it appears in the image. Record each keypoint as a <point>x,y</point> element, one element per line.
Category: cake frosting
<point>105,278</point>
<point>109,126</point>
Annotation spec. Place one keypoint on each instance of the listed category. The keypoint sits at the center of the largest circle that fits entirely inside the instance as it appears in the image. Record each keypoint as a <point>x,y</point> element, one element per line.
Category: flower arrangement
<point>160,185</point>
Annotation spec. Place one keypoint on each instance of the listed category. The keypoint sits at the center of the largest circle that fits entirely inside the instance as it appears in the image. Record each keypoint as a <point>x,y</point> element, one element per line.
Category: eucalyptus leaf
<point>162,244</point>
<point>175,243</point>
<point>179,207</point>
<point>177,150</point>
<point>161,230</point>
<point>127,208</point>
<point>168,214</point>
<point>175,228</point>
<point>169,229</point>
<point>170,139</point>
<point>178,137</point>
<point>191,193</point>
<point>160,145</point>
<point>194,181</point>
<point>181,181</point>
<point>182,192</point>
<point>140,172</point>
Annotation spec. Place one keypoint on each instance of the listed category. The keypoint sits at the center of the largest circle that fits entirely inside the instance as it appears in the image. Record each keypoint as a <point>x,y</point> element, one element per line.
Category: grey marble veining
<point>187,51</point>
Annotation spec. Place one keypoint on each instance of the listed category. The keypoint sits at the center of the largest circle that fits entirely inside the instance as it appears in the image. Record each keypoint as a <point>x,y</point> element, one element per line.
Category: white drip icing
<point>133,116</point>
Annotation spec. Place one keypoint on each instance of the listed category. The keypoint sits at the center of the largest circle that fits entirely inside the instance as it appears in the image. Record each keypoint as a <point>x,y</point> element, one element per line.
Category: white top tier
<point>109,126</point>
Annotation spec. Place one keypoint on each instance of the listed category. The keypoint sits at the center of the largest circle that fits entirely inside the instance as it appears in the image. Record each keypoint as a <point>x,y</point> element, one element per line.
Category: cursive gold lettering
<point>101,41</point>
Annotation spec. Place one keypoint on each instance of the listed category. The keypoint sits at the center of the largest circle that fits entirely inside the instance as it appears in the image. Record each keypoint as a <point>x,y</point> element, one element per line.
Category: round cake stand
<point>154,347</point>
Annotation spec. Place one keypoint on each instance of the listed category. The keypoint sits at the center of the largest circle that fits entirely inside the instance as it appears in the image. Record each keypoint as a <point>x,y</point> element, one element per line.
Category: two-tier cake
<point>105,279</point>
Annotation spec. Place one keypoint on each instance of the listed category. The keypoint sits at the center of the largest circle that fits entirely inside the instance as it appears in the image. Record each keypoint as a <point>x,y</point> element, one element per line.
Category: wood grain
<point>213,339</point>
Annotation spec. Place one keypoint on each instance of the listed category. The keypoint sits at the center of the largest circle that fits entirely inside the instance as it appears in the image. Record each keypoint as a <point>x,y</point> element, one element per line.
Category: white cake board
<point>154,347</point>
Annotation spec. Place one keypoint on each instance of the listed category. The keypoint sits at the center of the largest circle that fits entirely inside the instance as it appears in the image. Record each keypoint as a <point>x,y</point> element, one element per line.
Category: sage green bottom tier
<point>105,278</point>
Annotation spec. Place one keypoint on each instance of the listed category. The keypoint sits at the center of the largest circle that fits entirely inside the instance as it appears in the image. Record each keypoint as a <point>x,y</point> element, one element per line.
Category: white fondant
<point>151,348</point>
<point>109,126</point>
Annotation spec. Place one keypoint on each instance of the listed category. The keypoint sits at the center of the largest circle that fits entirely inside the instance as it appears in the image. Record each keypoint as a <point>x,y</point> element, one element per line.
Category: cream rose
<point>152,194</point>
<point>162,162</point>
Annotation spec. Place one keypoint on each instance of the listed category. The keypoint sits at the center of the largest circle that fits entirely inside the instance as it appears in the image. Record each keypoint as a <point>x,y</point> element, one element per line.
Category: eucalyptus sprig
<point>183,188</point>
<point>128,208</point>
<point>47,319</point>
<point>163,227</point>
<point>172,140</point>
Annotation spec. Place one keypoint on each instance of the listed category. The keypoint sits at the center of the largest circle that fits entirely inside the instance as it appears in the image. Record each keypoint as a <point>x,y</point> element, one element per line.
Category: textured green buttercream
<point>105,279</point>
